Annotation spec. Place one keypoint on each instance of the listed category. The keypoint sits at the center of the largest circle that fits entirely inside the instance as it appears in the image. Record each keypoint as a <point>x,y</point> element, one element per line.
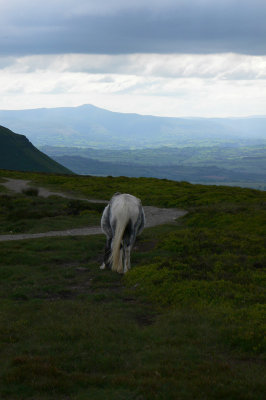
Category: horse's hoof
<point>102,266</point>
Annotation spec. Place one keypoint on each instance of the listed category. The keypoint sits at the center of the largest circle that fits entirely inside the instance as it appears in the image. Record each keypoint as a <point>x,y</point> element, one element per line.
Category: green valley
<point>227,164</point>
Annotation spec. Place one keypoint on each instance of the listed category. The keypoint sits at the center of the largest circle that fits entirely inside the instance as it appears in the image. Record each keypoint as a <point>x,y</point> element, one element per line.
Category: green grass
<point>216,260</point>
<point>186,322</point>
<point>69,329</point>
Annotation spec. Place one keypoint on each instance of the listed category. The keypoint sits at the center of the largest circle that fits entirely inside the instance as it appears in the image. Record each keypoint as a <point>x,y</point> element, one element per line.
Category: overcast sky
<point>167,57</point>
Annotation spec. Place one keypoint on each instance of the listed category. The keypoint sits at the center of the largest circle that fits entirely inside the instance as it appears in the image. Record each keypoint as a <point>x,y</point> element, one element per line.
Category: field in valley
<point>210,164</point>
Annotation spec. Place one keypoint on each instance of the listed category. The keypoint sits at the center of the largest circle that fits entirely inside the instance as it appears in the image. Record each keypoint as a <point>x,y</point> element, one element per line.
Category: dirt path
<point>154,215</point>
<point>18,185</point>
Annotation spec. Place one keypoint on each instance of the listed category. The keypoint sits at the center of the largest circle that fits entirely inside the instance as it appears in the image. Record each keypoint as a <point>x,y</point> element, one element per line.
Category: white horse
<point>122,220</point>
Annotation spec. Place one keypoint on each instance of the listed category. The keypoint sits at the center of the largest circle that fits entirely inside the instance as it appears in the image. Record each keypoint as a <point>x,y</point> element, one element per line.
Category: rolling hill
<point>17,153</point>
<point>90,126</point>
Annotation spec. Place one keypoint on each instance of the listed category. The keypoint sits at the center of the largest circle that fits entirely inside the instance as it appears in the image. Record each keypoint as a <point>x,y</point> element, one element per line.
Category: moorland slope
<point>188,320</point>
<point>17,153</point>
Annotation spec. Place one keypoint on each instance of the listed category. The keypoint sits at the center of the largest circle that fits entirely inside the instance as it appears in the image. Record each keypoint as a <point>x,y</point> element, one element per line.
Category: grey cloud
<point>194,26</point>
<point>213,66</point>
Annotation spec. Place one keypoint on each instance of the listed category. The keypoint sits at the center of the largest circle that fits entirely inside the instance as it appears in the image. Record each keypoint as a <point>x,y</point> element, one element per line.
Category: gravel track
<point>154,215</point>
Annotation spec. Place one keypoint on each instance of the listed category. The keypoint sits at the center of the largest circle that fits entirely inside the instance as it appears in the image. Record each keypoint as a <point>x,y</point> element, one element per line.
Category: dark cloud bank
<point>188,27</point>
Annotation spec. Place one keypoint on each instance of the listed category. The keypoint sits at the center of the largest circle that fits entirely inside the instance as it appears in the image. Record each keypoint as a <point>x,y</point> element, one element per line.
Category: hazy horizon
<point>125,112</point>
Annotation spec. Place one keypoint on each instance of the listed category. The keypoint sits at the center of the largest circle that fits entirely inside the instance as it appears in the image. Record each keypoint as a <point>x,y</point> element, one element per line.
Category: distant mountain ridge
<point>90,126</point>
<point>17,153</point>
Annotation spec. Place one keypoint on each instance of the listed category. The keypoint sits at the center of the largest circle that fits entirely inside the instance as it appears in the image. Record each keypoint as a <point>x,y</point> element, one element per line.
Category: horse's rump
<point>122,220</point>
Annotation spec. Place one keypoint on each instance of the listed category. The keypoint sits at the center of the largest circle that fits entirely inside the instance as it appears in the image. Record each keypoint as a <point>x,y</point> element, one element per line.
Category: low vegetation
<point>28,213</point>
<point>187,321</point>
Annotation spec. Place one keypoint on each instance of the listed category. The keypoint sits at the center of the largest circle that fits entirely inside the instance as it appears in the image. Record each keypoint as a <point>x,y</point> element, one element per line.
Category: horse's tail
<point>116,259</point>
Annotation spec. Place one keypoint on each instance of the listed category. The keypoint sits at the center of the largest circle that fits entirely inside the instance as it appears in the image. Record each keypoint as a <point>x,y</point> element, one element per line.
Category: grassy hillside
<point>17,153</point>
<point>188,321</point>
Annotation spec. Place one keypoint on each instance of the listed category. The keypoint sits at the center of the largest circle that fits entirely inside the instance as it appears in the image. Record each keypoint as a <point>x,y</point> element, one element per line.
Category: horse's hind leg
<point>107,253</point>
<point>126,256</point>
<point>121,267</point>
<point>131,238</point>
<point>128,246</point>
<point>127,264</point>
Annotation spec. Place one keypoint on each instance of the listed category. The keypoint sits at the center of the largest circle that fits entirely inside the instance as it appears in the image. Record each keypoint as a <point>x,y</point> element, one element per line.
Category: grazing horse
<point>122,220</point>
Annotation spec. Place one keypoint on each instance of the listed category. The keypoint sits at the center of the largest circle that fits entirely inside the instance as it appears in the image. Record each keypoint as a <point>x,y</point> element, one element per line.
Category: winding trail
<point>154,215</point>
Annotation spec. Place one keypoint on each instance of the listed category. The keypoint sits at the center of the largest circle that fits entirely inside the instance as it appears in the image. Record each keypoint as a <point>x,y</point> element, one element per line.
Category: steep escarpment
<point>17,153</point>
